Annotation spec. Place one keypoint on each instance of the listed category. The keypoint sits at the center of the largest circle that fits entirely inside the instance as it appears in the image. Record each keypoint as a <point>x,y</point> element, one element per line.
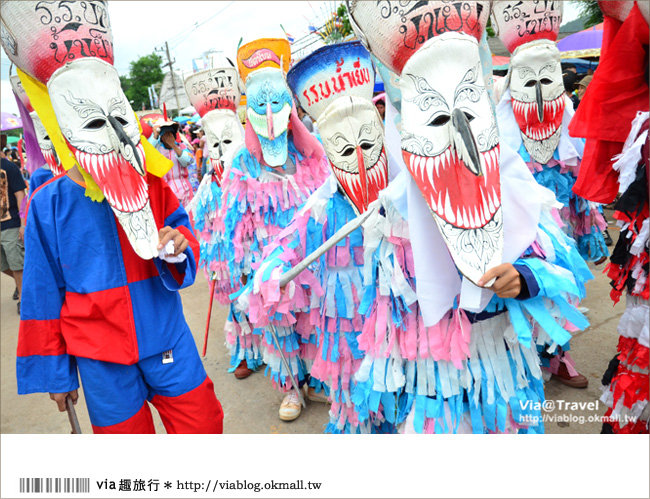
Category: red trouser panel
<point>197,411</point>
<point>141,422</point>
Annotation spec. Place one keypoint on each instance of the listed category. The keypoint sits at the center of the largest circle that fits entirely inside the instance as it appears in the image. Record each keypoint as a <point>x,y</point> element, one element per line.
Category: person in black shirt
<point>12,193</point>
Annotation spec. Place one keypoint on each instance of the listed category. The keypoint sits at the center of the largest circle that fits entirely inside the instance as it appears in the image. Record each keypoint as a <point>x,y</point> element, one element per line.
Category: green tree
<point>143,73</point>
<point>589,12</point>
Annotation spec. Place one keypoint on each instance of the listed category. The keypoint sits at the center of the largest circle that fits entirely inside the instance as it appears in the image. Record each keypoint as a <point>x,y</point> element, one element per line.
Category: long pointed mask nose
<point>464,143</point>
<point>124,146</point>
<point>269,121</point>
<point>540,101</point>
<point>362,178</point>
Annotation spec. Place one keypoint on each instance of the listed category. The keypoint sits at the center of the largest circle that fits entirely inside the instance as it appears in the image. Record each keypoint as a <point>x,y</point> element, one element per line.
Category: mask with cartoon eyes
<point>268,107</point>
<point>353,138</point>
<point>102,132</point>
<point>450,145</point>
<point>537,96</point>
<point>222,134</point>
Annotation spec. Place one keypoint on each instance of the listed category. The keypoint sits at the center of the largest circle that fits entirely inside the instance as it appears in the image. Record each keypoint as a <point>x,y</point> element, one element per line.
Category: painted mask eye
<point>227,141</point>
<point>440,120</point>
<point>546,81</point>
<point>469,116</point>
<point>366,146</point>
<point>530,83</point>
<point>275,102</point>
<point>347,151</point>
<point>121,120</point>
<point>215,145</point>
<point>96,124</point>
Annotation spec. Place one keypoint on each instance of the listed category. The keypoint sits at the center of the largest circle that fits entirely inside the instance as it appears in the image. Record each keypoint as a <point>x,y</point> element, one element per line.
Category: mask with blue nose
<point>268,107</point>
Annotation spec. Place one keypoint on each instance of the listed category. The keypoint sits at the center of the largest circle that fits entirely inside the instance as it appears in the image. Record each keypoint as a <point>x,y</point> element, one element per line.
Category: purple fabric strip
<point>35,157</point>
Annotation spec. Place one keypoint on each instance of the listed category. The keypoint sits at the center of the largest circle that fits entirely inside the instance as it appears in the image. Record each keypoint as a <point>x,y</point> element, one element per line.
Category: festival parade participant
<point>215,95</point>
<point>50,164</point>
<point>464,250</point>
<point>334,85</point>
<point>164,139</point>
<point>264,184</point>
<point>107,246</point>
<point>616,162</point>
<point>533,118</point>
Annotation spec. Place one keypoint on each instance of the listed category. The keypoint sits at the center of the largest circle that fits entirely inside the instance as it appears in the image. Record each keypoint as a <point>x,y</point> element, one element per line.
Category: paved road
<point>251,405</point>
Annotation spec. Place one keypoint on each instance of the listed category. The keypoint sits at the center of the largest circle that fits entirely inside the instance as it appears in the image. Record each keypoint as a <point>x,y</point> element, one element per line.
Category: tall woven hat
<point>394,31</point>
<point>518,23</point>
<point>333,71</point>
<point>41,37</point>
<point>211,89</point>
<point>263,53</point>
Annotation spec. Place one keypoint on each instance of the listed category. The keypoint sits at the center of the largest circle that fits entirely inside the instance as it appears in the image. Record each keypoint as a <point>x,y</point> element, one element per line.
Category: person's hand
<point>156,132</point>
<point>167,234</point>
<point>170,141</point>
<point>507,284</point>
<point>59,398</point>
<point>21,234</point>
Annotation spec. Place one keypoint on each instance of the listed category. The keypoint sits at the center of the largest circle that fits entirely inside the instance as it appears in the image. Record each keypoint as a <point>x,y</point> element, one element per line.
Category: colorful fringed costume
<point>257,204</point>
<point>625,384</point>
<point>616,162</point>
<point>215,95</point>
<point>324,300</point>
<point>263,185</point>
<point>471,371</point>
<point>442,353</point>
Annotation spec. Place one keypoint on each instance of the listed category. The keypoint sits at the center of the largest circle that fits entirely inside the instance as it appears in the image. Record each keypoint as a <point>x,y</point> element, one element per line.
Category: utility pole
<point>171,73</point>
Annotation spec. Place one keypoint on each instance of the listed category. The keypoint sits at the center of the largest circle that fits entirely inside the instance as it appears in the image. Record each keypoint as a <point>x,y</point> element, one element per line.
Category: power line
<point>197,26</point>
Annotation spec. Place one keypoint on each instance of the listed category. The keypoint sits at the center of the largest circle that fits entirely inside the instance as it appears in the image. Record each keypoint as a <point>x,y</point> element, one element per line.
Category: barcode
<point>55,485</point>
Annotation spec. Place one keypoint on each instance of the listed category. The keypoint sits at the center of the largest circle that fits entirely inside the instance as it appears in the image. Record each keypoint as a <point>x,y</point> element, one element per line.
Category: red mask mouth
<point>528,121</point>
<point>52,162</point>
<point>453,192</point>
<point>217,174</point>
<point>125,189</point>
<point>376,179</point>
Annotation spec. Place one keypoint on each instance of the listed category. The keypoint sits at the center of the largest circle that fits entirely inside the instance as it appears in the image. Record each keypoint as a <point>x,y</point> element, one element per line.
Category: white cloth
<point>438,281</point>
<point>393,142</point>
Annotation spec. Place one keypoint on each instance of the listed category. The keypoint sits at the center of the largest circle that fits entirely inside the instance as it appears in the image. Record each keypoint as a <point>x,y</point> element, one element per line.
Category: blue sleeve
<point>530,288</point>
<point>185,158</point>
<point>153,141</point>
<point>42,364</point>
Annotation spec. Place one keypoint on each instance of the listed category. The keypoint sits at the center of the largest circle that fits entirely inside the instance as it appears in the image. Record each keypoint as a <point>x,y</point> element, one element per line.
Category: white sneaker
<point>583,310</point>
<point>290,408</point>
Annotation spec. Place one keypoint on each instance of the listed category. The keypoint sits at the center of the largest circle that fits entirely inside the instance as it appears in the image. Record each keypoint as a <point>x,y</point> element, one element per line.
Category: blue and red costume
<point>91,304</point>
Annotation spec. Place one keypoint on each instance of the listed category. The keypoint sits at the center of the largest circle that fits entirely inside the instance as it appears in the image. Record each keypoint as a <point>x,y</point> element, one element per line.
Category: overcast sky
<point>139,27</point>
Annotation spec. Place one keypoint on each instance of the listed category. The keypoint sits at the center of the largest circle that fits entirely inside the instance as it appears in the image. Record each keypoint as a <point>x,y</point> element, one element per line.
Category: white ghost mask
<point>537,90</point>
<point>47,148</point>
<point>450,145</point>
<point>102,131</point>
<point>353,138</point>
<point>223,133</point>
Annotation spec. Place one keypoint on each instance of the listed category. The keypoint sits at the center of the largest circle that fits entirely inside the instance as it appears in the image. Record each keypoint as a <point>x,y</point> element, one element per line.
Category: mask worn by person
<point>535,73</point>
<point>334,84</point>
<point>95,118</point>
<point>263,64</point>
<point>450,141</point>
<point>44,142</point>
<point>268,107</point>
<point>215,95</point>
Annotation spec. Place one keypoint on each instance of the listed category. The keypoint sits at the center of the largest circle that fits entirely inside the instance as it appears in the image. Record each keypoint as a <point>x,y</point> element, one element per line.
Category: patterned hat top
<point>41,37</point>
